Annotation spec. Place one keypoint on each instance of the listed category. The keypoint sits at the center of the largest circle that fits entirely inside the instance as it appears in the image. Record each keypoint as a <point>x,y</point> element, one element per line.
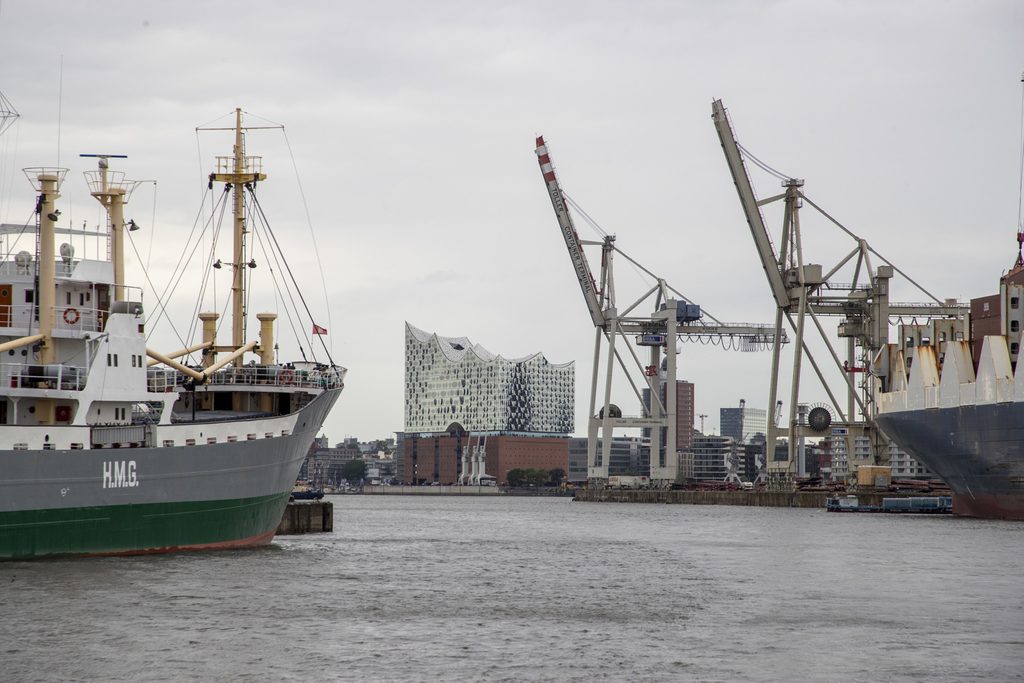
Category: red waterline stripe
<point>250,542</point>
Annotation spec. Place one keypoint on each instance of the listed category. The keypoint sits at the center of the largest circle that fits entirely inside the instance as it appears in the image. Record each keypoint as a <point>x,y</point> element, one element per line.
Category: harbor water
<point>439,588</point>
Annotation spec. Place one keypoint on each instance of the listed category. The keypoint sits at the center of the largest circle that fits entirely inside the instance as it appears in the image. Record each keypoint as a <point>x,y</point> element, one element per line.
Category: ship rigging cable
<point>271,258</point>
<point>179,271</point>
<point>291,276</point>
<point>312,233</point>
<point>1020,177</point>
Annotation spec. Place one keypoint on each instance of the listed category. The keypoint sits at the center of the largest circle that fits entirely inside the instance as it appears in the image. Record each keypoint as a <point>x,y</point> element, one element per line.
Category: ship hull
<point>150,500</point>
<point>977,450</point>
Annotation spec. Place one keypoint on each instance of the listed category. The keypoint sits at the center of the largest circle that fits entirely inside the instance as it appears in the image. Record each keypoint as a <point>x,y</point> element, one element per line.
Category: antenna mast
<point>239,171</point>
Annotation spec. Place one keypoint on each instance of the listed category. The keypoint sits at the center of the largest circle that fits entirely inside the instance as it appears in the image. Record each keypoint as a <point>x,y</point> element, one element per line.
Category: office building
<point>743,423</point>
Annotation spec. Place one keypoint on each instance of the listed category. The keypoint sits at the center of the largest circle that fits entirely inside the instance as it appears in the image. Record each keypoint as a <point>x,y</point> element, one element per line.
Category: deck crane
<point>674,317</point>
<point>804,292</point>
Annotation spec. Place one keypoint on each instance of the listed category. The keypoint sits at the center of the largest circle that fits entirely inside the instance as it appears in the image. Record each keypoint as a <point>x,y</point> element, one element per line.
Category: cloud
<point>411,126</point>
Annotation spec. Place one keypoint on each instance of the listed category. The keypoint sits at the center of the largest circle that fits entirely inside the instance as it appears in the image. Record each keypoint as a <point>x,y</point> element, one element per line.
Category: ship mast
<point>238,171</point>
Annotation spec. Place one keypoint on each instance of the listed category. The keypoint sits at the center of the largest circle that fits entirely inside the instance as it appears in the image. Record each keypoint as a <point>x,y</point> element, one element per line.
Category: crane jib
<point>572,240</point>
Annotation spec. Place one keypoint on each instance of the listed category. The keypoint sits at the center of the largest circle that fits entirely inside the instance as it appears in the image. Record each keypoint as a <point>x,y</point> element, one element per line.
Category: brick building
<point>472,415</point>
<point>429,458</point>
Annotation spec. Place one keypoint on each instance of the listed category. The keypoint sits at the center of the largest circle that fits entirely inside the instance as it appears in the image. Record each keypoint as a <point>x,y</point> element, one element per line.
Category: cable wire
<point>762,165</point>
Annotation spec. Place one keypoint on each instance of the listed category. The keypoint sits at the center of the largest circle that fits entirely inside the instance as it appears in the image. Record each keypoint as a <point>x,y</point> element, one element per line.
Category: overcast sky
<point>412,126</point>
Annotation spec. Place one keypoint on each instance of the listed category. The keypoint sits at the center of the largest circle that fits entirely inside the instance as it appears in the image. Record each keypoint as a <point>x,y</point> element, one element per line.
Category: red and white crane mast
<point>591,294</point>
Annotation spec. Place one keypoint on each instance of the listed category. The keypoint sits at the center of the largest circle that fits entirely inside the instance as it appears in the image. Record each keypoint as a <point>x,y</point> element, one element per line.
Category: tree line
<point>535,477</point>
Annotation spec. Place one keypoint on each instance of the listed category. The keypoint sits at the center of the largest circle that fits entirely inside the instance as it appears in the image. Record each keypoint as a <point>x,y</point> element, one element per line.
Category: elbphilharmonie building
<point>450,380</point>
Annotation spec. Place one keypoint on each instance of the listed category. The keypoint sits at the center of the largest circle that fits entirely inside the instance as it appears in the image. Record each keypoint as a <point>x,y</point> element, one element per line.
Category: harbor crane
<point>674,317</point>
<point>805,292</point>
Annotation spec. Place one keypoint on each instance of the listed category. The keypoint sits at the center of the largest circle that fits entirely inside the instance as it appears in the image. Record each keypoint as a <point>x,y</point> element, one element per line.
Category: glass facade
<point>743,423</point>
<point>451,380</point>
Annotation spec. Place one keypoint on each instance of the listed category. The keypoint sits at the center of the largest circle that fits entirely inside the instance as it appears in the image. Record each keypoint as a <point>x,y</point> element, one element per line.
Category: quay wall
<point>432,490</point>
<point>778,499</point>
<point>307,517</point>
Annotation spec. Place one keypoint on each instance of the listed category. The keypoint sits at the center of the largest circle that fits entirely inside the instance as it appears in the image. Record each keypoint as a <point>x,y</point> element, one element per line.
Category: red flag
<point>319,330</point>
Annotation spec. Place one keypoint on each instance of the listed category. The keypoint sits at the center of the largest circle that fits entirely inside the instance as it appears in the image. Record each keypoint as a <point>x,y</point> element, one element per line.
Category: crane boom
<point>749,201</point>
<point>572,239</point>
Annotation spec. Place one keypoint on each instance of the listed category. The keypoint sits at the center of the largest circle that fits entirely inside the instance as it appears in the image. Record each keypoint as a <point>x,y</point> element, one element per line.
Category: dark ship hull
<point>978,450</point>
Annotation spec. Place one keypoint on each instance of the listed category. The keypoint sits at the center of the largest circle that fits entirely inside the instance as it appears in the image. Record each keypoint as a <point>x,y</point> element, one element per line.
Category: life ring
<point>71,316</point>
<point>287,376</point>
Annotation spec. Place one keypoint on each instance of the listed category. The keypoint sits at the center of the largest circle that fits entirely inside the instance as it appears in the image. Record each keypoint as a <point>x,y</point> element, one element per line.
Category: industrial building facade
<point>451,380</point>
<point>629,455</point>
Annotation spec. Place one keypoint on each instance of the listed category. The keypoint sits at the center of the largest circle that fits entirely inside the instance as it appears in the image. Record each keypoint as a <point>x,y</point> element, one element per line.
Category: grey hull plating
<point>53,479</point>
<point>977,450</point>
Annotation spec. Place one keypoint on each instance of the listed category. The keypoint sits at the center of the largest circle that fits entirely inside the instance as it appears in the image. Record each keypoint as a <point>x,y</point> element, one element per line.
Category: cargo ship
<point>109,447</point>
<point>960,409</point>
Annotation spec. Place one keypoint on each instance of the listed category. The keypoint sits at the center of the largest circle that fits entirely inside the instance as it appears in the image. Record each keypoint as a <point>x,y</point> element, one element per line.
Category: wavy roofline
<point>452,355</point>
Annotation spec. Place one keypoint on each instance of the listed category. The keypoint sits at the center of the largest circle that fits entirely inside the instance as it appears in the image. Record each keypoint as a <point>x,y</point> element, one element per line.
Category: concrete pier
<point>778,499</point>
<point>307,517</point>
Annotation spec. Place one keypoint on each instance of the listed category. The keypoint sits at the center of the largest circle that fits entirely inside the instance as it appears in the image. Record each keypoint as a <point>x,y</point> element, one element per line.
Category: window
<point>1014,326</point>
<point>29,296</point>
<point>1014,302</point>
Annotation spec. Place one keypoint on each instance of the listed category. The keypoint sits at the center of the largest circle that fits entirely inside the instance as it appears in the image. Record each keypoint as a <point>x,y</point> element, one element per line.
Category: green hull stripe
<point>128,528</point>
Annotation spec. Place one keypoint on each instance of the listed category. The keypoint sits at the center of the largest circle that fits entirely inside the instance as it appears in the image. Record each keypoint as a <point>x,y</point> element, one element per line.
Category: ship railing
<point>106,181</point>
<point>226,165</point>
<point>65,318</point>
<point>55,376</point>
<point>61,267</point>
<point>147,412</point>
<point>79,318</point>
<point>23,316</point>
<point>274,375</point>
<point>160,380</point>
